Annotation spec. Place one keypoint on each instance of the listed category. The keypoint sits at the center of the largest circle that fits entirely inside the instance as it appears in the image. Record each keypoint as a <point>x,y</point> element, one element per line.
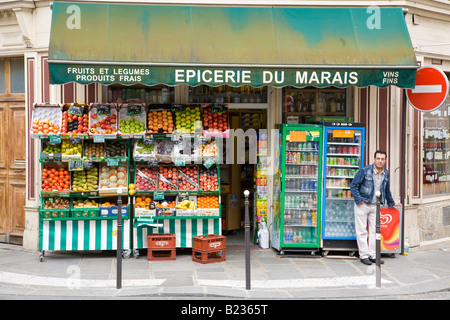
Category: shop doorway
<point>12,151</point>
<point>238,177</point>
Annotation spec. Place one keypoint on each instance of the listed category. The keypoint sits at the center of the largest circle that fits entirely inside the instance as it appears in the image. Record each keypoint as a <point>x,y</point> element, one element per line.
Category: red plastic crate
<point>209,242</point>
<point>208,256</point>
<point>161,241</point>
<point>158,254</point>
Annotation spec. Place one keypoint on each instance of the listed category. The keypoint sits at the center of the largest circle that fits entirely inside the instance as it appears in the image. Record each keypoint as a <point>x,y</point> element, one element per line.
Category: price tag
<point>183,196</point>
<point>87,164</point>
<point>148,139</point>
<point>158,195</point>
<point>177,108</point>
<point>180,162</point>
<point>74,140</point>
<point>75,110</point>
<point>55,138</point>
<point>104,109</point>
<point>112,162</point>
<point>152,163</point>
<point>218,108</point>
<point>209,163</point>
<point>134,110</point>
<point>75,165</point>
<point>99,138</point>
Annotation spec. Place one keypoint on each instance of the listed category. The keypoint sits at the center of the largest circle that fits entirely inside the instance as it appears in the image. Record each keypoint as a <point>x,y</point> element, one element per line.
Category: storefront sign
<point>151,75</point>
<point>235,46</point>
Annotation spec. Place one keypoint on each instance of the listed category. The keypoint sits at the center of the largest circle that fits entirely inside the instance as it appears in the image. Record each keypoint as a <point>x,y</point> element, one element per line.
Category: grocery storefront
<point>210,55</point>
<point>178,54</point>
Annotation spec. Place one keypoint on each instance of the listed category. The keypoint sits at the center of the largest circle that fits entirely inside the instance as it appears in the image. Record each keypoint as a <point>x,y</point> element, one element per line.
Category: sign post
<point>430,91</point>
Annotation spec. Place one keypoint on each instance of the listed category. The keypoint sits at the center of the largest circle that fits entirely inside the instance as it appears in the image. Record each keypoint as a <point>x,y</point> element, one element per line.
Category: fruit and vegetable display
<point>55,178</point>
<point>188,120</point>
<point>186,205</point>
<point>208,202</point>
<point>113,177</point>
<point>56,203</point>
<point>209,179</point>
<point>55,208</point>
<point>103,120</point>
<point>142,150</point>
<point>164,150</point>
<point>210,149</point>
<point>160,121</point>
<point>94,150</point>
<point>86,203</point>
<point>166,207</point>
<point>167,178</point>
<point>146,178</point>
<point>188,178</point>
<point>115,149</point>
<point>132,120</point>
<point>71,150</point>
<point>85,180</point>
<point>214,120</point>
<point>75,119</point>
<point>143,202</point>
<point>51,148</point>
<point>46,119</point>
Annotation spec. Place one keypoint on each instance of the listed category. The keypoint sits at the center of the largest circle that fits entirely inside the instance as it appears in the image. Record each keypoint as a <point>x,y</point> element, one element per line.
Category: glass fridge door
<point>301,193</point>
<point>344,157</point>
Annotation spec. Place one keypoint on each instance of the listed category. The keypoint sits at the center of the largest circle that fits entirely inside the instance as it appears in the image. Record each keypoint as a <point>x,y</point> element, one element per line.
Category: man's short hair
<point>381,152</point>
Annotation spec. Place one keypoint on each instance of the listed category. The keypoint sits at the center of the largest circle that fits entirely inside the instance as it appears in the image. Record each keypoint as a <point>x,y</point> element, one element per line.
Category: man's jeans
<point>365,213</point>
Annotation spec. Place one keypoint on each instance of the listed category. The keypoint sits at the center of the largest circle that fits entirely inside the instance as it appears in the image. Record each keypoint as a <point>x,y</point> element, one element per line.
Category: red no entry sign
<point>431,89</point>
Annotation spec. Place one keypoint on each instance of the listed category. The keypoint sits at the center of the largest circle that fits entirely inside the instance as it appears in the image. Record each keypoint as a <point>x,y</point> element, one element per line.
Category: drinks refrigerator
<point>297,189</point>
<point>343,157</point>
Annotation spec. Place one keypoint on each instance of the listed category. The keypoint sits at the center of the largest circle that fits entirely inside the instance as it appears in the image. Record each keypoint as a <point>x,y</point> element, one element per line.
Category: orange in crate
<point>208,202</point>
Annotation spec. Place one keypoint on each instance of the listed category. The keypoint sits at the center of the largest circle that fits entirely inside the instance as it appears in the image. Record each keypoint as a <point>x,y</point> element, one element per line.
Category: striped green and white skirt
<point>82,235</point>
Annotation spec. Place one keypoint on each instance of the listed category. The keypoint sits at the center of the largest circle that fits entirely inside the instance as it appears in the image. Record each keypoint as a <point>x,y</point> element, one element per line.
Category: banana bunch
<point>186,204</point>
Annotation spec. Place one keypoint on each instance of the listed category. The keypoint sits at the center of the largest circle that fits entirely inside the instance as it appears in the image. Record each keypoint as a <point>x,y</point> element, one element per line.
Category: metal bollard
<point>378,241</point>
<point>247,240</point>
<point>119,240</point>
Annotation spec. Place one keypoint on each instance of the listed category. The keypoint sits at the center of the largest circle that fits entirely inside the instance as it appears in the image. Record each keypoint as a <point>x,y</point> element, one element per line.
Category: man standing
<point>365,184</point>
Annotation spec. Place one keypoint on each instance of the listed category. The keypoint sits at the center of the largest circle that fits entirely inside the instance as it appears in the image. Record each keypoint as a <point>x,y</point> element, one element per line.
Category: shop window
<point>436,151</point>
<point>227,94</point>
<point>12,76</point>
<point>301,104</point>
<point>17,76</point>
<point>154,94</point>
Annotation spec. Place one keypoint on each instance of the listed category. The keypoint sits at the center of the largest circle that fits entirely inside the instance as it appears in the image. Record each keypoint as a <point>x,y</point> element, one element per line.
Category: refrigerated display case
<point>297,188</point>
<point>343,157</point>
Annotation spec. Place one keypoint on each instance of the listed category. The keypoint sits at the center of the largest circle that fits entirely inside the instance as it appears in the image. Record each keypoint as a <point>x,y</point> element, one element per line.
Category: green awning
<point>257,46</point>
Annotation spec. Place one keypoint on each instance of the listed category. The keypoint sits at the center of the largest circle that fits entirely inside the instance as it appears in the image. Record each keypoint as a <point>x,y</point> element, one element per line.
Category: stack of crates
<point>161,246</point>
<point>208,248</point>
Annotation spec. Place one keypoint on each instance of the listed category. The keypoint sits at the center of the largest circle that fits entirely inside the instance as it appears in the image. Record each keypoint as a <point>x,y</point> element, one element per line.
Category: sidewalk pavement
<point>92,275</point>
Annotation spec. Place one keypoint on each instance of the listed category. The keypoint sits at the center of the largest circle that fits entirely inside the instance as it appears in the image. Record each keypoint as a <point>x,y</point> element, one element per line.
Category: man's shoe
<point>366,261</point>
<point>375,260</point>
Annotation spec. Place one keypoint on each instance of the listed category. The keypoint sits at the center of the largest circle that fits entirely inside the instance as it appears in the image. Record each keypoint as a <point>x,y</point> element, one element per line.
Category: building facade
<point>24,80</point>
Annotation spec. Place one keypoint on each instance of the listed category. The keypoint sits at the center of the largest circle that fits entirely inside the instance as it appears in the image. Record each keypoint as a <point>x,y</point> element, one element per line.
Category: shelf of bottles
<point>301,191</point>
<point>343,160</point>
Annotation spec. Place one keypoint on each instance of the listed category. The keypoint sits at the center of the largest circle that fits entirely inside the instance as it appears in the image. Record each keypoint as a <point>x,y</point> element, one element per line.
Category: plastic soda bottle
<point>406,251</point>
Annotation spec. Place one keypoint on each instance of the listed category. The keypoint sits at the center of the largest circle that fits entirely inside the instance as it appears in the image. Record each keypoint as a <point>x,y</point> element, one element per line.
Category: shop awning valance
<point>213,45</point>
